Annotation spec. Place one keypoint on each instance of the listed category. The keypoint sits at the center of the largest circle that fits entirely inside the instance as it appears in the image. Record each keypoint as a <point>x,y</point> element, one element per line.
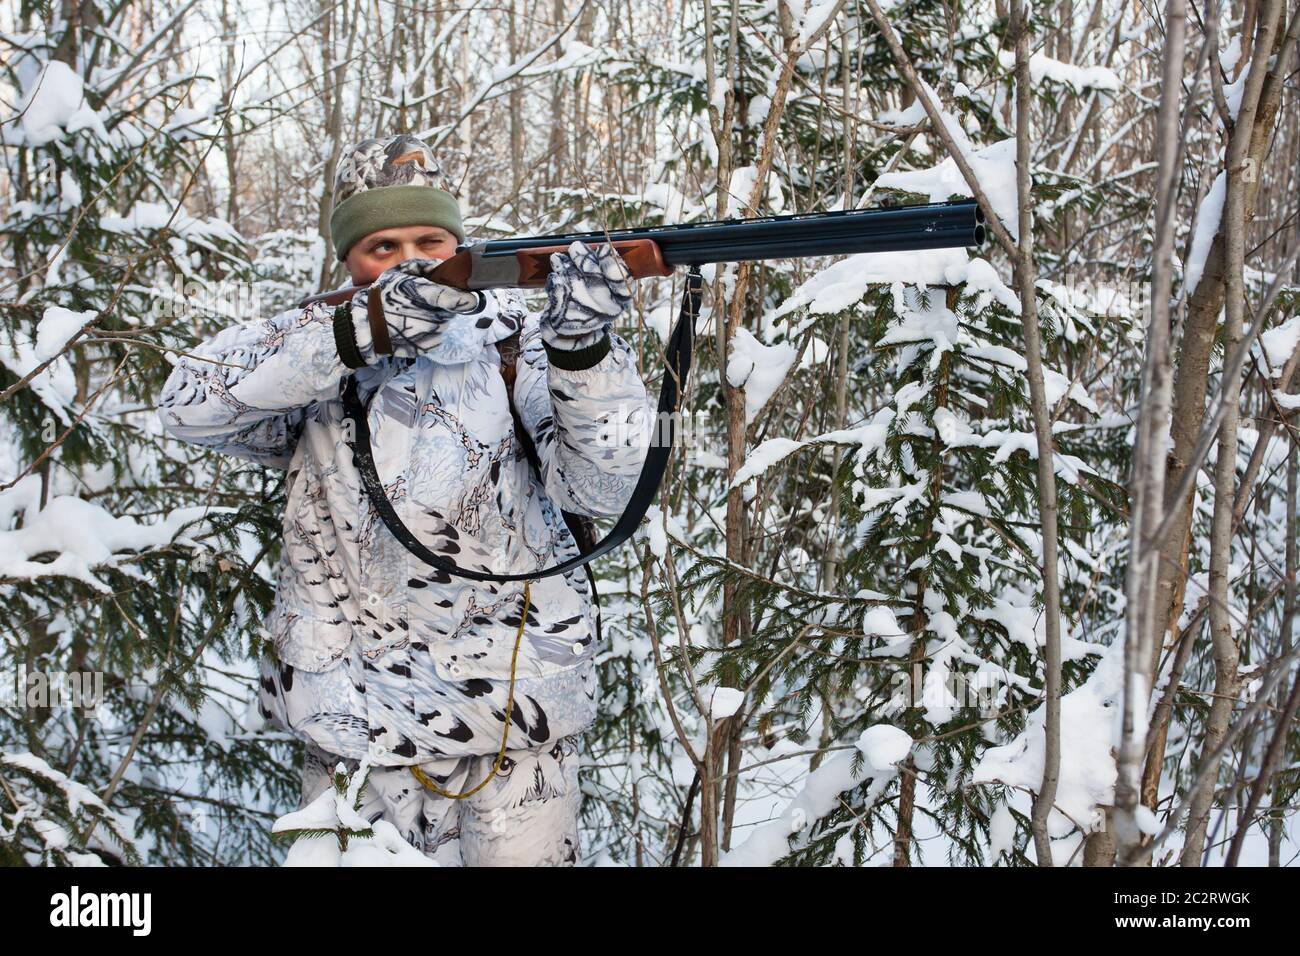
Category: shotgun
<point>524,263</point>
<point>653,251</point>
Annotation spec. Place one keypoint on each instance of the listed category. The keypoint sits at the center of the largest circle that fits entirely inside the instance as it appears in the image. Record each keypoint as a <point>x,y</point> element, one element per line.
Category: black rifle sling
<point>581,527</point>
<point>677,356</point>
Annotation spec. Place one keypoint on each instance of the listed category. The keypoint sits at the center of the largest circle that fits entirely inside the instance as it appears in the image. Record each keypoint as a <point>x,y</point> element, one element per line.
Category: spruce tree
<point>127,558</point>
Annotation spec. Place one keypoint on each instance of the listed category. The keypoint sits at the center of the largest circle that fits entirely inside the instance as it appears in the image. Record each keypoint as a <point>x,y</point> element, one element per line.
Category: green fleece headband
<point>392,207</point>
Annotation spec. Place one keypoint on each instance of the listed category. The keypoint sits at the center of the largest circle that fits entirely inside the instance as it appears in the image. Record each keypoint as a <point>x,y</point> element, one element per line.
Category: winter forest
<point>980,557</point>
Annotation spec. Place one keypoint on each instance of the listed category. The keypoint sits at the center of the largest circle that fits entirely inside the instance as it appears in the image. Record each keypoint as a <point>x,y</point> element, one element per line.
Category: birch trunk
<point>1148,475</point>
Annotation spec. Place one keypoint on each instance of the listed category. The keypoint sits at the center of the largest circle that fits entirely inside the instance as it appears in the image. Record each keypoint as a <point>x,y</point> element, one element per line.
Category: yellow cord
<point>510,703</point>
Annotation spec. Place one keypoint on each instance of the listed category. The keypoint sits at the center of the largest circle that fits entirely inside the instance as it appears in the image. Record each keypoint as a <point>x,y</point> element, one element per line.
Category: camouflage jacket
<point>374,650</point>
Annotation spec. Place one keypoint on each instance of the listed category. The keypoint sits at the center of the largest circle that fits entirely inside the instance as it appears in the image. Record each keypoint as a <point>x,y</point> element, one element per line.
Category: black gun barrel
<point>842,232</point>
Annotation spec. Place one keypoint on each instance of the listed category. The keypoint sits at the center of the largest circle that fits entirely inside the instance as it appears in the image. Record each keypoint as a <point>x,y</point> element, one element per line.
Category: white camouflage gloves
<point>587,290</point>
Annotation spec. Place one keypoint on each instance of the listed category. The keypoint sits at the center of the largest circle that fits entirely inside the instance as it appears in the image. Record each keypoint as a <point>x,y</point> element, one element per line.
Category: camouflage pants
<point>526,816</point>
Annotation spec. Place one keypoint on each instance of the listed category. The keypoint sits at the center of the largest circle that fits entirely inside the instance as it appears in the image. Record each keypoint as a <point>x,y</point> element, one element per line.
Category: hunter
<point>377,655</point>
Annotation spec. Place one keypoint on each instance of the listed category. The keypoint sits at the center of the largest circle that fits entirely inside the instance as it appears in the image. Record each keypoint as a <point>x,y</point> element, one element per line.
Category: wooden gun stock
<point>642,256</point>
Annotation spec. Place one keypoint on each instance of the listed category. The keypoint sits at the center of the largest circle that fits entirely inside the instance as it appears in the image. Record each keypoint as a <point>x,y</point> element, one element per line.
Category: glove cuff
<point>345,337</point>
<point>579,359</point>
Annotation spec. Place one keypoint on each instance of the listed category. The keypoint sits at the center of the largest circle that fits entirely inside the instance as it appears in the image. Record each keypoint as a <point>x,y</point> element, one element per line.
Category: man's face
<point>386,248</point>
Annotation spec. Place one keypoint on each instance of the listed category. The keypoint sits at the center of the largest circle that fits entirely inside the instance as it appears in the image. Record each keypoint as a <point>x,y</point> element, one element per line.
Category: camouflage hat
<point>386,184</point>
